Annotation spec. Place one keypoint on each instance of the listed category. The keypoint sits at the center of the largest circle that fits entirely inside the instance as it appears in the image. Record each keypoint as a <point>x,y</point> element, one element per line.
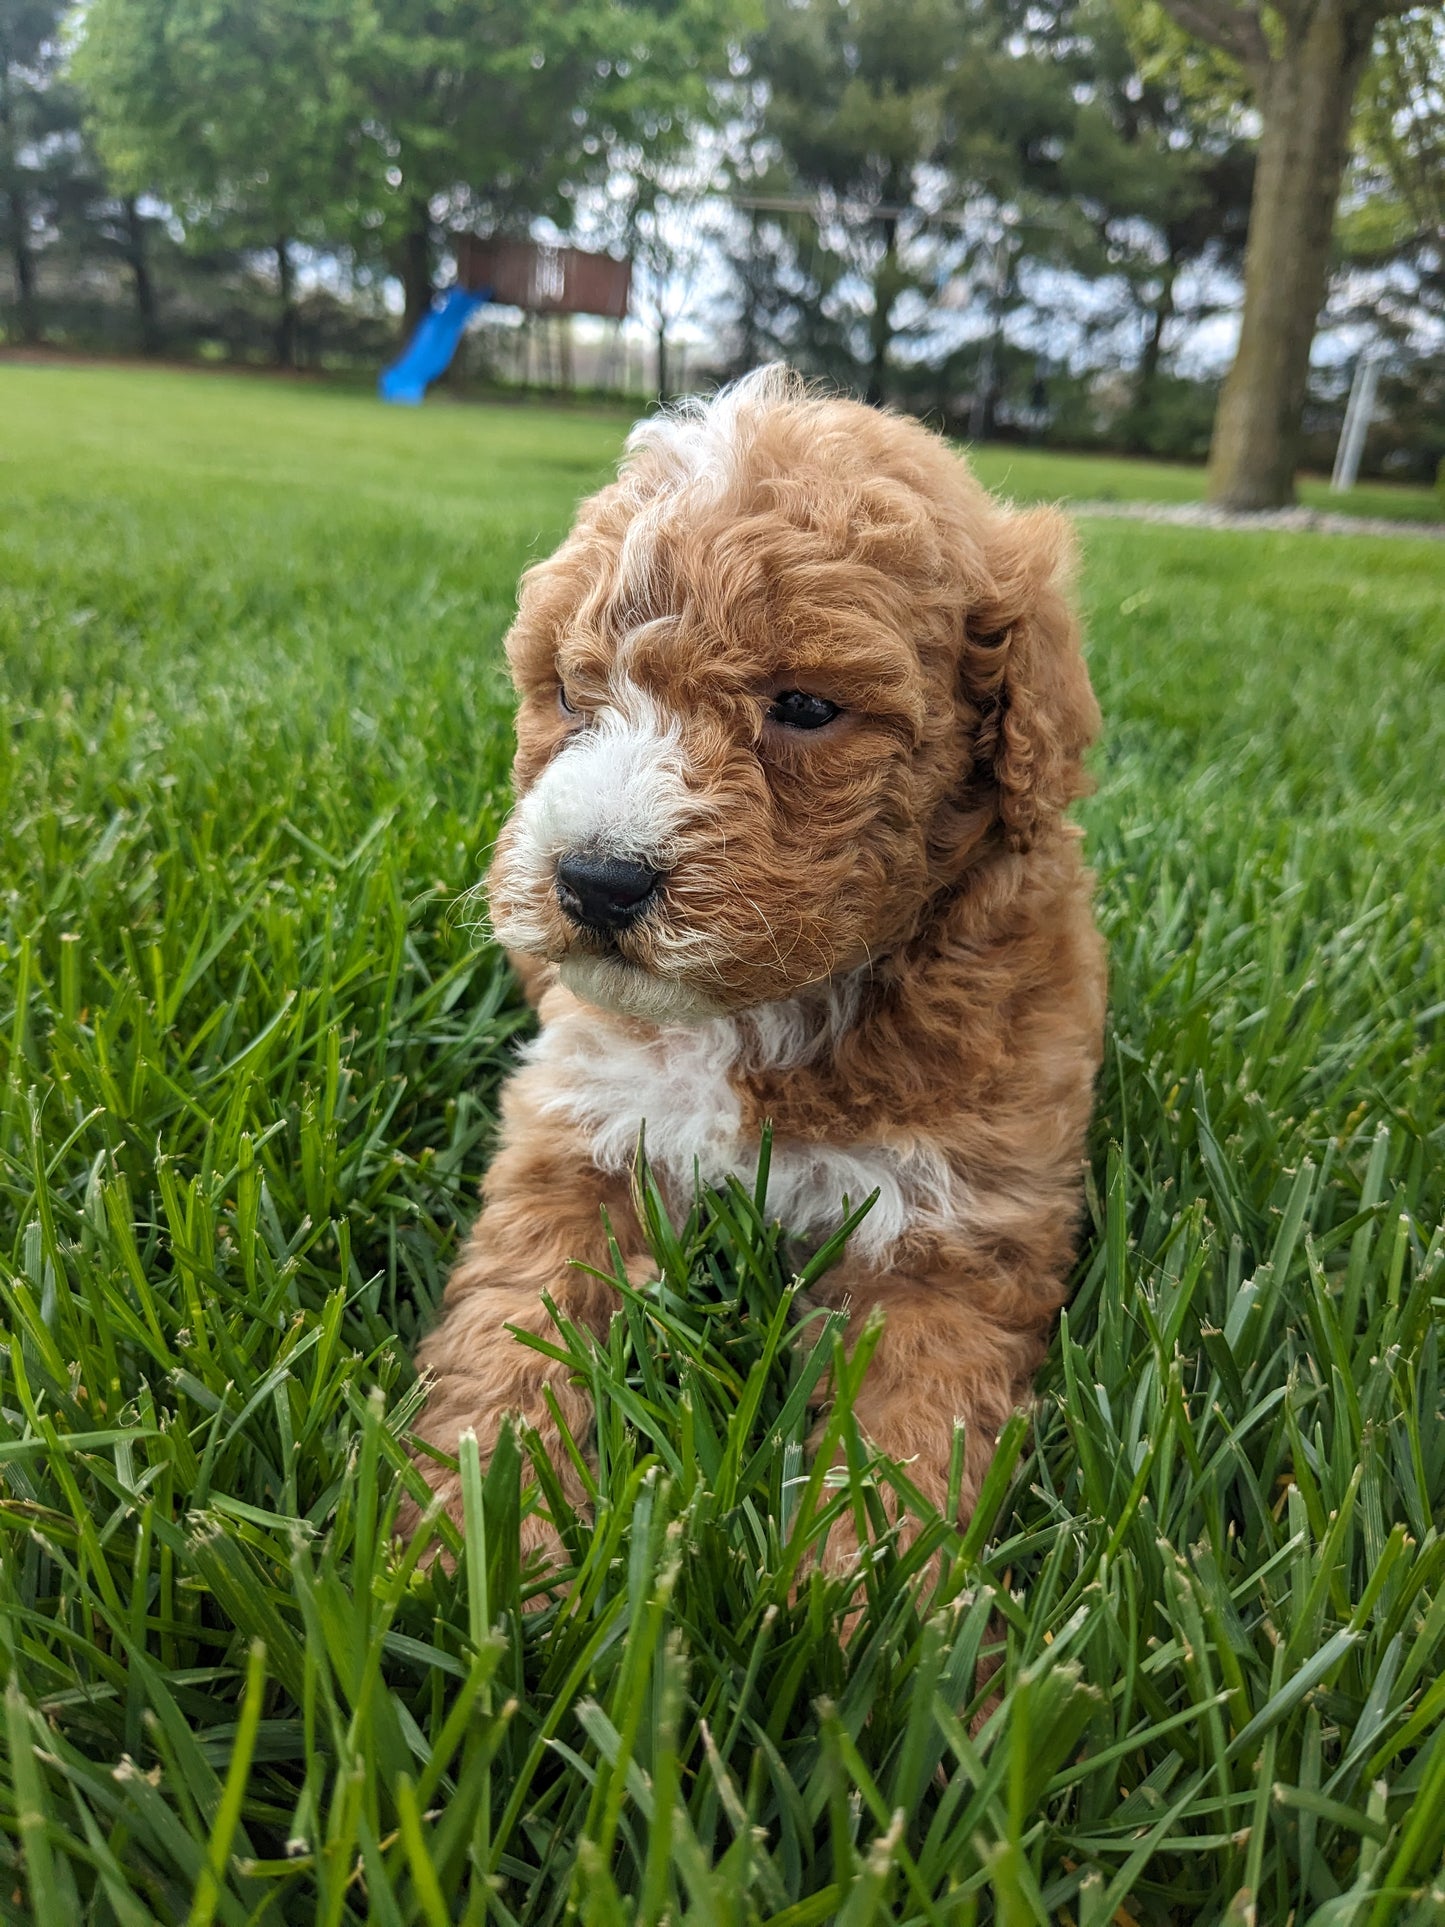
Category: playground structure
<point>539,279</point>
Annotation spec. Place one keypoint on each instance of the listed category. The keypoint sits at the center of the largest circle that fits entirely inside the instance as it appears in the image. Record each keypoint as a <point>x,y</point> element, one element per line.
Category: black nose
<point>604,892</point>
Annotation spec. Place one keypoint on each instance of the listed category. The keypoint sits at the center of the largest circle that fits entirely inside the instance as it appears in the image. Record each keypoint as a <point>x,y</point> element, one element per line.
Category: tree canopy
<point>38,140</point>
<point>982,206</point>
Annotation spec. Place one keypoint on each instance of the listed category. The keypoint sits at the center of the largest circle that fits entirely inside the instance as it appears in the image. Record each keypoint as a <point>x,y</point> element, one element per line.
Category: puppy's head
<point>781,681</point>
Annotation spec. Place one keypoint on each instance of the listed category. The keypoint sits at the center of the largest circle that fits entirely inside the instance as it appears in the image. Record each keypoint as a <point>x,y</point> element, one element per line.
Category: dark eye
<point>562,702</point>
<point>795,710</point>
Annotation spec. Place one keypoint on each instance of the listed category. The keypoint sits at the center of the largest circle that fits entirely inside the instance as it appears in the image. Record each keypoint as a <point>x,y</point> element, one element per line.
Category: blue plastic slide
<point>430,350</point>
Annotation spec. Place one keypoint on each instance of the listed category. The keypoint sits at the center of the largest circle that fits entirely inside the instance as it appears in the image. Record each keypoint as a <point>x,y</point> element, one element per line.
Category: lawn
<point>250,1051</point>
<point>1031,474</point>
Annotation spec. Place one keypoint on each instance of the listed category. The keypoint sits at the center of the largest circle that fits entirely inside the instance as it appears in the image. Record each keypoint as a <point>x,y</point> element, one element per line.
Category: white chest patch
<point>675,1083</point>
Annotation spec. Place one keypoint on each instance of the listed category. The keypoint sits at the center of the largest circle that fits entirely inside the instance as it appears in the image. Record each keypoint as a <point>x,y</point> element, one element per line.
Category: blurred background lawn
<point>318,436</point>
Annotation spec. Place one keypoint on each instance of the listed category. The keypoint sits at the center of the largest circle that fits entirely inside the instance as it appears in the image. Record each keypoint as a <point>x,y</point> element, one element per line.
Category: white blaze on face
<point>687,458</point>
<point>698,444</point>
<point>618,786</point>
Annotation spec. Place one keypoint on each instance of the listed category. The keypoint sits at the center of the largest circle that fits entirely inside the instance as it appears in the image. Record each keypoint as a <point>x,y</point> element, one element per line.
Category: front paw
<point>542,1553</point>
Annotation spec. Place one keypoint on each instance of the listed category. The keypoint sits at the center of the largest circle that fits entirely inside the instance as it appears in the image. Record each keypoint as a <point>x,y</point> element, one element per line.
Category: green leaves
<point>340,122</point>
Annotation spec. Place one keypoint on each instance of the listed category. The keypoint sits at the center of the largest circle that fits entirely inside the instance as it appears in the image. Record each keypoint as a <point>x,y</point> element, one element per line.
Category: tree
<point>856,130</point>
<point>1158,174</point>
<point>32,116</point>
<point>1391,233</point>
<point>661,210</point>
<point>660,221</point>
<point>791,294</point>
<point>1303,61</point>
<point>124,231</point>
<point>977,170</point>
<point>242,116</point>
<point>488,113</point>
<point>1400,129</point>
<point>55,207</point>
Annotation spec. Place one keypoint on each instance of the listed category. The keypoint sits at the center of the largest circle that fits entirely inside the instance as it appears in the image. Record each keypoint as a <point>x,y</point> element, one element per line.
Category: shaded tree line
<point>1009,212</point>
<point>1013,154</point>
<point>358,130</point>
<point>1105,174</point>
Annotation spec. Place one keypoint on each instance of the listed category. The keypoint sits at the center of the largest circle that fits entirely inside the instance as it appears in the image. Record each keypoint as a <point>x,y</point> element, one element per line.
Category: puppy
<point>802,709</point>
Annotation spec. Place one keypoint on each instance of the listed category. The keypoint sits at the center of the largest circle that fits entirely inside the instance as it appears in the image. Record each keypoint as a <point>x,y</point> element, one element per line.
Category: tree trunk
<point>661,358</point>
<point>749,357</point>
<point>416,267</point>
<point>24,264</point>
<point>1148,371</point>
<point>22,260</point>
<point>983,415</point>
<point>1305,95</point>
<point>1154,342</point>
<point>145,294</point>
<point>286,320</point>
<point>880,323</point>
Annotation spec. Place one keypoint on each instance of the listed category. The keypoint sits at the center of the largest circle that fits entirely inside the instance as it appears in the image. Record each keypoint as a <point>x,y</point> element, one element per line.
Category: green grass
<point>204,424</point>
<point>248,1060</point>
<point>1046,475</point>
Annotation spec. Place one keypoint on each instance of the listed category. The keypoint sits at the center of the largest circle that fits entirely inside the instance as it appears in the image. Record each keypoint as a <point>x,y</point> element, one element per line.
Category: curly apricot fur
<point>910,867</point>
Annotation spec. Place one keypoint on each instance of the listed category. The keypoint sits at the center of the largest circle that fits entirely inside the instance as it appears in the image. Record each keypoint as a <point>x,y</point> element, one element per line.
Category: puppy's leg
<point>943,1356</point>
<point>543,1200</point>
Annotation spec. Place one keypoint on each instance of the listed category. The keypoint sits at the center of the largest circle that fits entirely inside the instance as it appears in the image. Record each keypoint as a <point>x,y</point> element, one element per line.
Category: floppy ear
<point>1024,673</point>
